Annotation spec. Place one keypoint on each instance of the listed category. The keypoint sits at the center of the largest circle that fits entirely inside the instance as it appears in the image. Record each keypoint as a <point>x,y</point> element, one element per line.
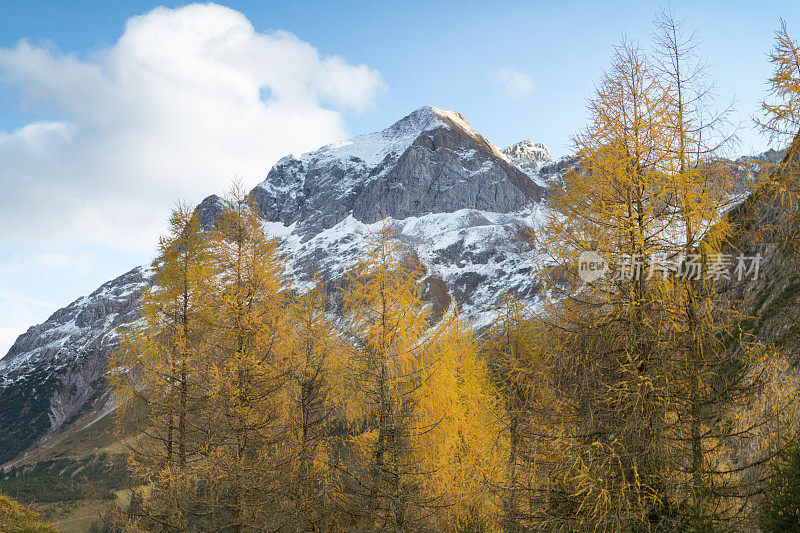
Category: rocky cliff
<point>53,375</point>
<point>431,161</point>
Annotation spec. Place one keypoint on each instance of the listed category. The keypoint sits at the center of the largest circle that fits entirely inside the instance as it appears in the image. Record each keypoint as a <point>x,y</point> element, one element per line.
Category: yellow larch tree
<point>515,347</point>
<point>386,323</point>
<point>616,204</point>
<point>781,109</point>
<point>247,452</point>
<point>460,418</point>
<point>650,359</point>
<point>781,122</point>
<point>315,350</point>
<point>156,375</point>
<point>716,371</point>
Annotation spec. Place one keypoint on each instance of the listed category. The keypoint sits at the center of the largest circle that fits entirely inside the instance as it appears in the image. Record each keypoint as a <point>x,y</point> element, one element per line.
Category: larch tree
<point>460,417</point>
<point>779,198</point>
<point>315,350</point>
<point>247,455</point>
<point>780,120</point>
<point>664,393</point>
<point>386,324</point>
<point>717,372</point>
<point>615,203</point>
<point>515,350</point>
<point>781,108</point>
<point>156,375</point>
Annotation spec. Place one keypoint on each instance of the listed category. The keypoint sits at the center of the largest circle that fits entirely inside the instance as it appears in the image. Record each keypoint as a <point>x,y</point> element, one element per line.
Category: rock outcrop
<point>431,161</point>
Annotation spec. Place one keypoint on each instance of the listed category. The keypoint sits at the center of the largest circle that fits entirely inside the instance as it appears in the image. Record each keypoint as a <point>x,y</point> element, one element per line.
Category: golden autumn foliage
<point>633,402</point>
<point>292,418</point>
<point>157,373</point>
<point>387,329</point>
<point>656,383</point>
<point>246,455</point>
<point>15,518</point>
<point>515,350</point>
<point>314,392</point>
<point>460,422</point>
<point>781,121</point>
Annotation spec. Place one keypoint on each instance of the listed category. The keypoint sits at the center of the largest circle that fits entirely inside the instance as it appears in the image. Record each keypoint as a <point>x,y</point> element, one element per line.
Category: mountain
<point>767,224</point>
<point>53,375</point>
<point>431,161</point>
<point>528,155</point>
<point>467,208</point>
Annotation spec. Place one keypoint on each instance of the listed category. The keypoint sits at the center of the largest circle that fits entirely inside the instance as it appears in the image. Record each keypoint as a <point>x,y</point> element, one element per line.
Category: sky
<point>110,112</point>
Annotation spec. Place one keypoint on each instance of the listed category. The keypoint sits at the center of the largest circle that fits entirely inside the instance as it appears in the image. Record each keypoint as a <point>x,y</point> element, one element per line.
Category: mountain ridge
<point>449,193</point>
<point>429,161</point>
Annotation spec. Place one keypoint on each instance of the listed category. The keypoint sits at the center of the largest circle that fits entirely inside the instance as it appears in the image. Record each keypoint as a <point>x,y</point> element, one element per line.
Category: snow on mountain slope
<point>54,371</point>
<point>449,193</point>
<point>372,148</point>
<point>430,161</point>
<point>461,203</point>
<point>478,255</point>
<point>85,323</point>
<point>527,152</point>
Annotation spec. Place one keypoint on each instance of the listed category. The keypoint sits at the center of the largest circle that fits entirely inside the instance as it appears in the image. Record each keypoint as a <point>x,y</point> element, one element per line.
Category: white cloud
<point>186,100</point>
<point>514,83</point>
<point>11,299</point>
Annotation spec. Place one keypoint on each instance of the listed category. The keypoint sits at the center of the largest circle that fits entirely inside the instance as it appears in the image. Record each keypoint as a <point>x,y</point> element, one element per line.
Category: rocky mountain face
<point>767,224</point>
<point>431,161</point>
<point>467,208</point>
<point>53,375</point>
<point>528,155</point>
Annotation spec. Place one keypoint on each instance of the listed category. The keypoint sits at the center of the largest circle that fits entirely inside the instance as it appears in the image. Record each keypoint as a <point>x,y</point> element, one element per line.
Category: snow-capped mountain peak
<point>427,162</point>
<point>371,149</point>
<point>527,152</point>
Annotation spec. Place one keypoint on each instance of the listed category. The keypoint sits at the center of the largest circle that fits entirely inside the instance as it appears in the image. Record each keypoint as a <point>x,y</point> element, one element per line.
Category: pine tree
<point>780,510</point>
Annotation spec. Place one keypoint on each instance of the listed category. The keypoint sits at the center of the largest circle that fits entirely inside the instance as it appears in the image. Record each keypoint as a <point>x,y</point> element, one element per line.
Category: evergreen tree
<point>780,511</point>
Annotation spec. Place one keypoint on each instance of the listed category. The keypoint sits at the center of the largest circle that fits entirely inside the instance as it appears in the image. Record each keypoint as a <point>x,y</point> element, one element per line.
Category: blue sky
<point>102,128</point>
